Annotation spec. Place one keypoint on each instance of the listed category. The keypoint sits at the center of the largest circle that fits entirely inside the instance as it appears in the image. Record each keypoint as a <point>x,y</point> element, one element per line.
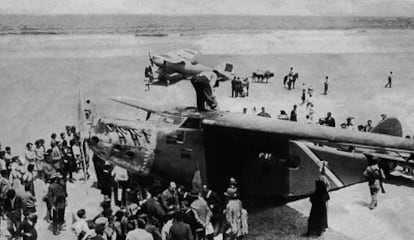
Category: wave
<point>151,34</point>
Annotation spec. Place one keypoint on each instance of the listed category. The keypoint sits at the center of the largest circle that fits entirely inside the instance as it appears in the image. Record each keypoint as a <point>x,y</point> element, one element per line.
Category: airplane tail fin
<point>390,126</point>
<point>224,71</point>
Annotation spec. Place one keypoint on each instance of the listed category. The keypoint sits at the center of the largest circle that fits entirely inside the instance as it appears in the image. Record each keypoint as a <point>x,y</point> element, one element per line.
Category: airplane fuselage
<point>280,164</point>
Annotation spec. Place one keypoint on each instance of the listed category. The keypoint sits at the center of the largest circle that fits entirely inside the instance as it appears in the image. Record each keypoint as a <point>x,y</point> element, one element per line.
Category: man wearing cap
<point>374,174</point>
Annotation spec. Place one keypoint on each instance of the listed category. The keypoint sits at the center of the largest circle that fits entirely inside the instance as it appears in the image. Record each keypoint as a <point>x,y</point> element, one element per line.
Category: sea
<point>161,25</point>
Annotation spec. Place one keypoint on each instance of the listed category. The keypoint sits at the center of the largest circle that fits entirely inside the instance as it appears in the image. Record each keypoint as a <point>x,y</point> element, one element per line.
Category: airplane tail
<point>224,71</point>
<point>390,126</point>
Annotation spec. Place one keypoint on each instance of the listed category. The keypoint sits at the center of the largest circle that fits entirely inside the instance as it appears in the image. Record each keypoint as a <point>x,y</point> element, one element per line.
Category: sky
<point>185,7</point>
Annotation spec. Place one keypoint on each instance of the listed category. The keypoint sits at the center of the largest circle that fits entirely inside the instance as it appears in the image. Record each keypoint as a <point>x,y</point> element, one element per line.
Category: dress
<point>318,217</point>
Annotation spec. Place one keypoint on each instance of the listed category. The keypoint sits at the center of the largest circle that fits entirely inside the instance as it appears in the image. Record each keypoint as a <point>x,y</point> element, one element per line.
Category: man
<point>368,127</point>
<point>244,110</point>
<point>328,121</point>
<point>383,117</point>
<point>263,113</point>
<point>29,201</point>
<point>56,197</point>
<point>139,233</point>
<point>80,227</point>
<point>293,115</point>
<point>149,74</point>
<point>13,207</point>
<point>233,87</point>
<point>389,83</point>
<point>27,228</point>
<point>169,199</point>
<point>204,92</point>
<point>203,215</point>
<point>325,92</point>
<point>180,230</point>
<point>375,176</point>
<point>349,124</point>
<point>56,157</point>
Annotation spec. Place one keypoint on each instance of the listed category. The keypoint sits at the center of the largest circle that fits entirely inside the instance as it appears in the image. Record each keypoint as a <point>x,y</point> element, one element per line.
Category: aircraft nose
<point>128,147</point>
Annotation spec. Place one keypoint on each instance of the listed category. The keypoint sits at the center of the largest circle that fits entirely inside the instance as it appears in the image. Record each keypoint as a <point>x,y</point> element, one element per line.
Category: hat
<point>349,118</point>
<point>101,220</point>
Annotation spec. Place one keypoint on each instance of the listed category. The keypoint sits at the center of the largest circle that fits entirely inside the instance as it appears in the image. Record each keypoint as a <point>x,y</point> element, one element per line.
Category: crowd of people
<point>55,166</point>
<point>151,212</point>
<point>131,208</point>
<point>239,87</point>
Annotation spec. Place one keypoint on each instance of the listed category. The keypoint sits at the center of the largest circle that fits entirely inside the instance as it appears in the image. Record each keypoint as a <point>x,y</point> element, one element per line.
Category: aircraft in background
<point>269,157</point>
<point>177,65</point>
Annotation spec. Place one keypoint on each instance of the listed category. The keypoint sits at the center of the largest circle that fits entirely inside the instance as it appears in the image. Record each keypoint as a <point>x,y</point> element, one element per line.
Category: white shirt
<point>120,174</point>
<point>139,234</point>
<point>80,226</point>
<point>165,231</point>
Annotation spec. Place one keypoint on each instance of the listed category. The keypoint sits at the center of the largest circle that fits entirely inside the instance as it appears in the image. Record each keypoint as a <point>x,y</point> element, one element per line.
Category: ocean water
<point>158,25</point>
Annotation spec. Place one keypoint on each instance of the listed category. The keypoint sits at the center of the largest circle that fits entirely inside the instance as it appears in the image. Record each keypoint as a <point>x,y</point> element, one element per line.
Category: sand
<point>41,76</point>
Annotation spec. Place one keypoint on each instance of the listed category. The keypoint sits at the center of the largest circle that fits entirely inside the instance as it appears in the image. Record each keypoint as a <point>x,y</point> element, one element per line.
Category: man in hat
<point>56,197</point>
<point>374,174</point>
<point>203,215</point>
<point>383,117</point>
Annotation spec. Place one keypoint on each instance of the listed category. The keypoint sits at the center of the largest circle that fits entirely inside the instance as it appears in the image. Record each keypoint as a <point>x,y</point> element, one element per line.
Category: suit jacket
<point>180,231</point>
<point>15,211</point>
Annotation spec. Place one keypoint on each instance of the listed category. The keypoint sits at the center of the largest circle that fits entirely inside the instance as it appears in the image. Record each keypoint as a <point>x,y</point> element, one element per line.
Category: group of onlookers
<point>54,165</point>
<point>154,213</point>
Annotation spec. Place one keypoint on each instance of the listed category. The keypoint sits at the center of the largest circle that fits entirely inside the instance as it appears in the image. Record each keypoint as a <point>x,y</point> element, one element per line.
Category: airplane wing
<point>186,54</point>
<point>311,132</point>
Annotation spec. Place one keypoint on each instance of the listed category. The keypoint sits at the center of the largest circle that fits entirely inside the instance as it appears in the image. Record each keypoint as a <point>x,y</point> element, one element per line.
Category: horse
<point>261,76</point>
<point>290,82</point>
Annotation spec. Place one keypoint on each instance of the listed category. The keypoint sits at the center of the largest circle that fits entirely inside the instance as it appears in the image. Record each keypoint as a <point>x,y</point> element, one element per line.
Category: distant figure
<point>303,97</point>
<point>325,84</point>
<point>149,74</point>
<point>368,127</point>
<point>283,116</point>
<point>88,109</point>
<point>254,110</point>
<point>311,112</point>
<point>244,110</point>
<point>290,74</point>
<point>328,121</point>
<point>383,117</point>
<point>263,113</point>
<point>349,124</point>
<point>180,230</point>
<point>389,83</point>
<point>310,90</point>
<point>233,87</point>
<point>293,115</point>
<point>318,217</point>
<point>374,174</point>
<point>245,86</point>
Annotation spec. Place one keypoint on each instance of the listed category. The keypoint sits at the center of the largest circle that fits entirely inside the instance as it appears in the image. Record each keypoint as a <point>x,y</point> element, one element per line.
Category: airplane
<point>177,65</point>
<point>269,157</point>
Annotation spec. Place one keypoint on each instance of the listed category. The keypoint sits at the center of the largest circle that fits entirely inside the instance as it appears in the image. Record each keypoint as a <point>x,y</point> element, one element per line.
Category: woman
<point>318,218</point>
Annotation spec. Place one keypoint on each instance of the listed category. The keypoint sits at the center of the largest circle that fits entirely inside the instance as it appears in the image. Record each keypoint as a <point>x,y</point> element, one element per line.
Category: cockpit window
<point>194,123</point>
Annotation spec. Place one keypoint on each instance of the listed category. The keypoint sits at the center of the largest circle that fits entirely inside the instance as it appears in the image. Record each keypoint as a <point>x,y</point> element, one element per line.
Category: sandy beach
<point>41,77</point>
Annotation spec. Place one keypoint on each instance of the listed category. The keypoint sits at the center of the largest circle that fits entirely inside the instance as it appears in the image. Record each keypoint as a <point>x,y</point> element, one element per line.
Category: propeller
<point>150,59</point>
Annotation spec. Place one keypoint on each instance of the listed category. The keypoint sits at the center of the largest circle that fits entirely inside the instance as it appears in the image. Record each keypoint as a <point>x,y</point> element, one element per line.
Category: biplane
<point>181,64</point>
